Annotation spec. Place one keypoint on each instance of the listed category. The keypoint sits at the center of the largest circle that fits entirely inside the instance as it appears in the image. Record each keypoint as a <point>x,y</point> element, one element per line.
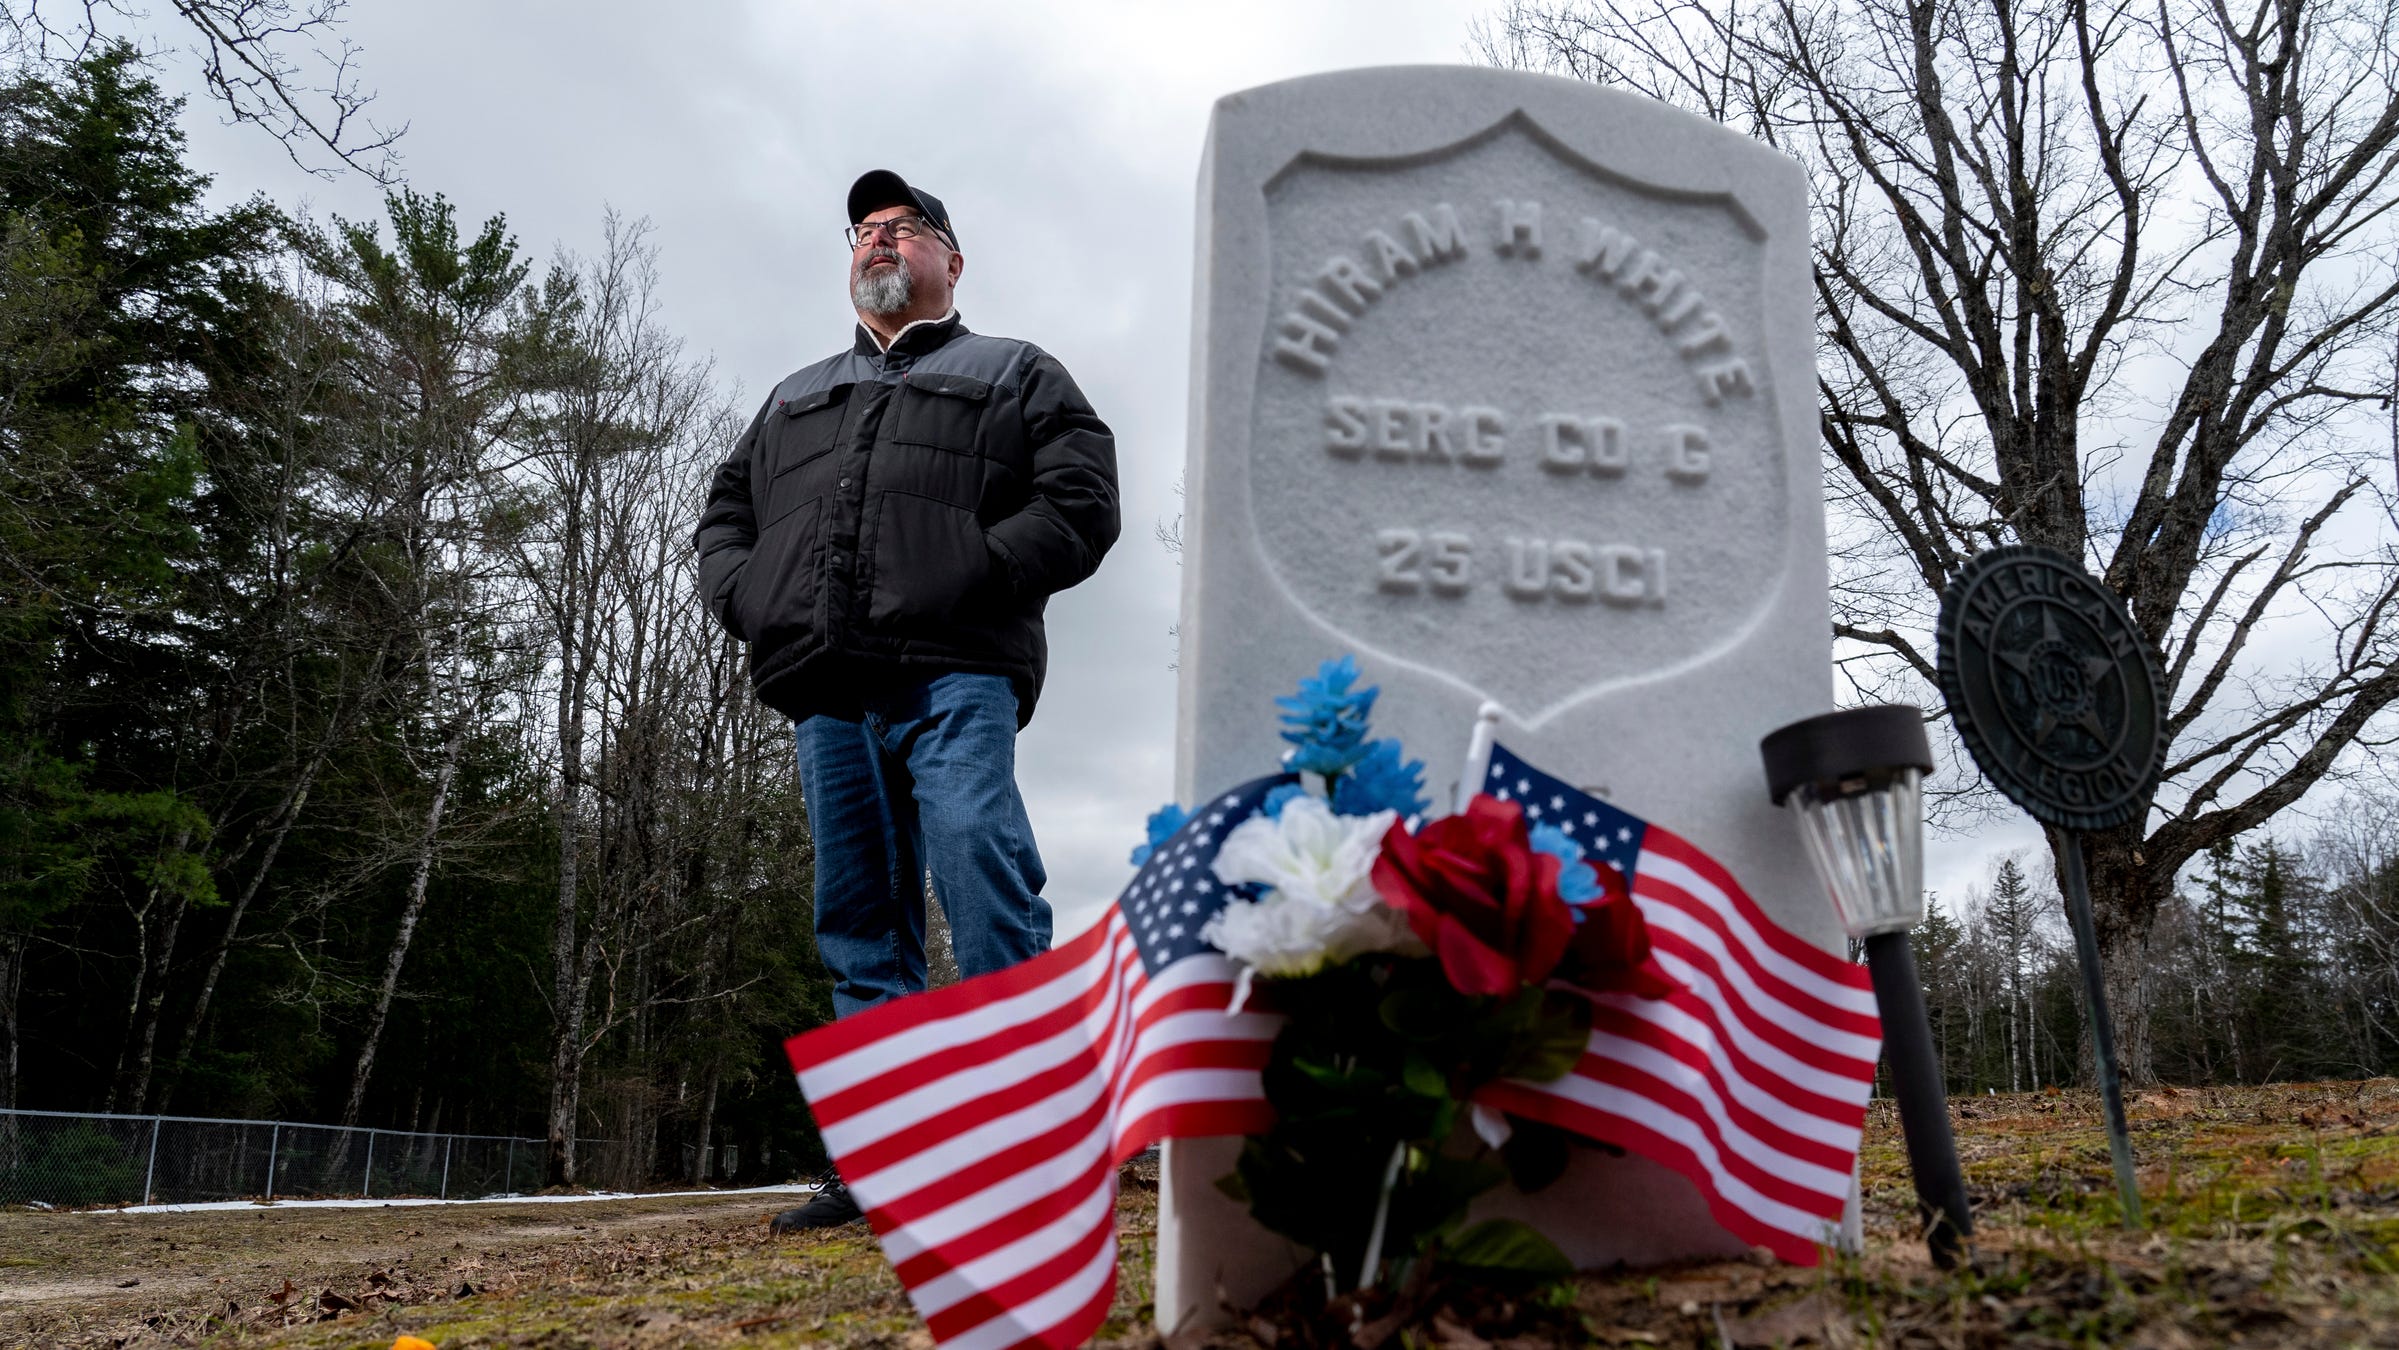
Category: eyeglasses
<point>899,228</point>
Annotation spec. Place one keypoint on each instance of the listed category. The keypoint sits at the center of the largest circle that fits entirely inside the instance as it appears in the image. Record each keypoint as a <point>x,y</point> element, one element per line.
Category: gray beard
<point>883,293</point>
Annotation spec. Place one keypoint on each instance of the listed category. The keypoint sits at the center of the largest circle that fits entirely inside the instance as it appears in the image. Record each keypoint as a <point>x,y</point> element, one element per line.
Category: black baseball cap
<point>878,188</point>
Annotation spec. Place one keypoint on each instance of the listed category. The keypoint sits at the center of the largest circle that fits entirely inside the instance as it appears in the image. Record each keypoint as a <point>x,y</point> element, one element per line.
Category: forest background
<point>364,758</point>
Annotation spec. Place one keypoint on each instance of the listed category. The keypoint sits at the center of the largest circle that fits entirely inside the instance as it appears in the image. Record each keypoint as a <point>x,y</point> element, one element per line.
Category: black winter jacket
<point>908,511</point>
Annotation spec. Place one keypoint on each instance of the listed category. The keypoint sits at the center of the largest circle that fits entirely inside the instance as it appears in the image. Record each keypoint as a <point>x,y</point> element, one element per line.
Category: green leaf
<point>1421,1012</point>
<point>1422,1078</point>
<point>1551,1043</point>
<point>1234,1187</point>
<point>1504,1246</point>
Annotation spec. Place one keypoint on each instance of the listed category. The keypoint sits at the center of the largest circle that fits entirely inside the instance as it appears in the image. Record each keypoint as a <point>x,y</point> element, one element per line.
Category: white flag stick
<point>1478,754</point>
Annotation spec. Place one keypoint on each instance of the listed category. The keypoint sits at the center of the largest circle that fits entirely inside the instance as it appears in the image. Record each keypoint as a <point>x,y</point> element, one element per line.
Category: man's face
<point>889,276</point>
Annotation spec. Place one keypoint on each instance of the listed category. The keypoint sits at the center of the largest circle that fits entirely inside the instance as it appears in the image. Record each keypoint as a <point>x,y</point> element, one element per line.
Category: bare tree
<point>619,413</point>
<point>283,66</point>
<point>423,324</point>
<point>2112,276</point>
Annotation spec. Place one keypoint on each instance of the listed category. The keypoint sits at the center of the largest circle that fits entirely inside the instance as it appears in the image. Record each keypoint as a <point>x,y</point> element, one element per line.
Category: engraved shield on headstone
<point>1539,416</point>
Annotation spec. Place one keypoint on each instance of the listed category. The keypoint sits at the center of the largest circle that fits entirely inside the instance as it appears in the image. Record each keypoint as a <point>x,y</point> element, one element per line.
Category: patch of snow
<point>405,1202</point>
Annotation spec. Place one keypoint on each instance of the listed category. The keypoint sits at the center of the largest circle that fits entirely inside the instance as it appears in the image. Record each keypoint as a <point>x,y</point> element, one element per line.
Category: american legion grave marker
<point>1504,382</point>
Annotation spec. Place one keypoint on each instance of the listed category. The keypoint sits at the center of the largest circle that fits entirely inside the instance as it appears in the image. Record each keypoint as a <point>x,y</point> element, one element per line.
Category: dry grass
<point>2274,1221</point>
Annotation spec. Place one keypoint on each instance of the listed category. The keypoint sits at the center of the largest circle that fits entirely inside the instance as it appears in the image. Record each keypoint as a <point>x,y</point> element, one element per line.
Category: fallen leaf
<point>2161,1336</point>
<point>1450,1336</point>
<point>328,1301</point>
<point>1806,1318</point>
<point>128,1284</point>
<point>1674,1293</point>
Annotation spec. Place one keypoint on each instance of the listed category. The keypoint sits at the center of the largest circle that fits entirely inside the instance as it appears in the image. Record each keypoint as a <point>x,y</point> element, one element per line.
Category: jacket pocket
<point>942,411</point>
<point>774,596</point>
<point>931,561</point>
<point>807,428</point>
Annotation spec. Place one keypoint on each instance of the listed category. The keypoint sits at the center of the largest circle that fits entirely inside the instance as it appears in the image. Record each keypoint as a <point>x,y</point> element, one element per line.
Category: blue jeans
<point>924,780</point>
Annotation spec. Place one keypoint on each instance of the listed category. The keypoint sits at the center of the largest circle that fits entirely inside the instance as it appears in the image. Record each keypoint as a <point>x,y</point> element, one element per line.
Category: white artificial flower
<point>1308,853</point>
<point>1277,936</point>
<point>1322,906</point>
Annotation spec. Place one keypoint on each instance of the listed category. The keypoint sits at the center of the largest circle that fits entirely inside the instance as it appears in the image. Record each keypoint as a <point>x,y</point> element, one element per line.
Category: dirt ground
<point>2273,1221</point>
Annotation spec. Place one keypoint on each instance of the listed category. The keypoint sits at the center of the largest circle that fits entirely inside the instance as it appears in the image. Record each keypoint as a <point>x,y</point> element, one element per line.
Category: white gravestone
<point>1503,382</point>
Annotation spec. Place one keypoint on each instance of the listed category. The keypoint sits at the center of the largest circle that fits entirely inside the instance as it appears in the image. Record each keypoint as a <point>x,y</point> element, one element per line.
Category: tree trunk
<point>133,1006</point>
<point>418,885</point>
<point>567,989</point>
<point>700,1159</point>
<point>2126,895</point>
<point>163,957</point>
<point>567,992</point>
<point>294,799</point>
<point>12,984</point>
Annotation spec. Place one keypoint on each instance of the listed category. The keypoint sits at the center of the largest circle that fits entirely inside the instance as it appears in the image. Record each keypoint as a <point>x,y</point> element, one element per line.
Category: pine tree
<point>1939,946</point>
<point>126,305</point>
<point>2010,915</point>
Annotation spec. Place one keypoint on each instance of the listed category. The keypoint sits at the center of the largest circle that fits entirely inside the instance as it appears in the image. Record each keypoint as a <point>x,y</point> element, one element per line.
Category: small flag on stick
<point>1752,1080</point>
<point>980,1126</point>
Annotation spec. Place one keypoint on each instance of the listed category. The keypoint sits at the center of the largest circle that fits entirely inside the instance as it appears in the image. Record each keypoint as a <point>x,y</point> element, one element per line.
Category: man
<point>884,537</point>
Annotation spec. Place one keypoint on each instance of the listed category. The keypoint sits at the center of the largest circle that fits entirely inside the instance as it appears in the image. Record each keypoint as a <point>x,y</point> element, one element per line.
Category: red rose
<point>1478,893</point>
<point>1610,948</point>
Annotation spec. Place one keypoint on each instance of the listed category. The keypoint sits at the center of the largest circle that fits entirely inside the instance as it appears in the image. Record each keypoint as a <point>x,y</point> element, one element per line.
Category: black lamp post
<point>1855,778</point>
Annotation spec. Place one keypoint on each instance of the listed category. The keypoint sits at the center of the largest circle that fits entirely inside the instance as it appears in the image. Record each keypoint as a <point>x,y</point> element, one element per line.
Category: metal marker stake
<point>150,1175</point>
<point>2057,695</point>
<point>2103,1027</point>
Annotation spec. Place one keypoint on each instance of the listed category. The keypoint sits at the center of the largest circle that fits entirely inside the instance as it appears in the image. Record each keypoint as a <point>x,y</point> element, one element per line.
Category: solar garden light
<point>1855,778</point>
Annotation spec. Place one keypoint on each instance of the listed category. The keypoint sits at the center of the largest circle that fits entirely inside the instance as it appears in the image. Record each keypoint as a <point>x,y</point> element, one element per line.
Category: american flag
<point>980,1126</point>
<point>1752,1079</point>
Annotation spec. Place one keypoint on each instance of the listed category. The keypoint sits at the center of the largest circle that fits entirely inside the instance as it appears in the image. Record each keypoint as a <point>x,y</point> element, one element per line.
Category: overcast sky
<point>1065,140</point>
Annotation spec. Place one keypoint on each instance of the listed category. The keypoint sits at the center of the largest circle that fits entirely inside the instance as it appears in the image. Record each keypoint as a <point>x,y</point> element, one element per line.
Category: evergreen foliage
<point>345,603</point>
<point>2271,965</point>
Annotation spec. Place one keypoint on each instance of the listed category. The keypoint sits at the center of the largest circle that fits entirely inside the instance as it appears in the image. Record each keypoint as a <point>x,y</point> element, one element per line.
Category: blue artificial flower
<point>1381,781</point>
<point>1279,798</point>
<point>1326,721</point>
<point>1163,823</point>
<point>1578,884</point>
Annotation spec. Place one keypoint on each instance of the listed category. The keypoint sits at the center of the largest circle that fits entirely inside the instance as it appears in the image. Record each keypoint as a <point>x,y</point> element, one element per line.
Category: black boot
<point>830,1207</point>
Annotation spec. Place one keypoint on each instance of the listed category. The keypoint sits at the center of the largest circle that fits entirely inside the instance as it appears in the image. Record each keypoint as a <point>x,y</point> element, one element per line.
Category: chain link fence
<point>65,1159</point>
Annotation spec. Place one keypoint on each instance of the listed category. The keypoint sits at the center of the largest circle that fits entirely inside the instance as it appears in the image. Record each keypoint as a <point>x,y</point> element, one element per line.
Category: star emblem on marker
<point>2059,676</point>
